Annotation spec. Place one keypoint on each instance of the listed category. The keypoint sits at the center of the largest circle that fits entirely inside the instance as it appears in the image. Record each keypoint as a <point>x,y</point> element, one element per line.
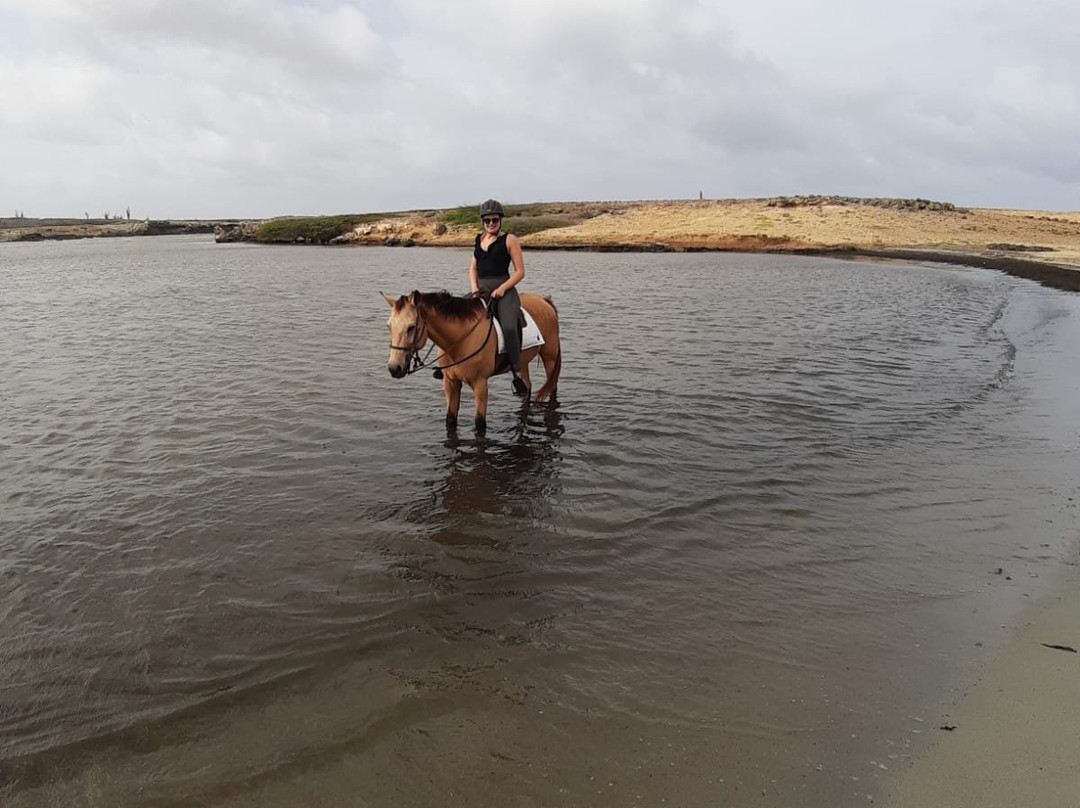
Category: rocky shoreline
<point>21,229</point>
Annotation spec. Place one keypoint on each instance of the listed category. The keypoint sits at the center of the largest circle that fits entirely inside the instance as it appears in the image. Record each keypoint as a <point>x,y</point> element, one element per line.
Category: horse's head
<point>408,333</point>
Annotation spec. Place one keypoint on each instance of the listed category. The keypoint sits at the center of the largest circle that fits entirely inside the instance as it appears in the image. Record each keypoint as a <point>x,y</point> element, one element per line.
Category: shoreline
<point>1015,732</point>
<point>1043,246</point>
<point>19,231</point>
<point>1058,276</point>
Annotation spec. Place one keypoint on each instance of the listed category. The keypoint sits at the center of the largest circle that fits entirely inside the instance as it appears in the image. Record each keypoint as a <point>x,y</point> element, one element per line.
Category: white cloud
<point>266,107</point>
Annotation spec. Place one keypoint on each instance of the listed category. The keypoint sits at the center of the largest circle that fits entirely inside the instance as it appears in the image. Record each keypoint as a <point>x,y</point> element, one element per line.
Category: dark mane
<point>448,305</point>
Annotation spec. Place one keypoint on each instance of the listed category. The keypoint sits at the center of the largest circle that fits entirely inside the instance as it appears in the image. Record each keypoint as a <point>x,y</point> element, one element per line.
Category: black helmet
<point>492,207</point>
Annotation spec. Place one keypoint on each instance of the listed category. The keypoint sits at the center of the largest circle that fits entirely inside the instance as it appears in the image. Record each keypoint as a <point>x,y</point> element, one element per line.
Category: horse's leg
<point>523,372</point>
<point>480,391</point>
<point>552,359</point>
<point>452,391</point>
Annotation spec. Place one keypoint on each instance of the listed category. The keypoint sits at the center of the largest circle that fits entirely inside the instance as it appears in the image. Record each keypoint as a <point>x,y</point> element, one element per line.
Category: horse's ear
<point>390,301</point>
<point>414,298</point>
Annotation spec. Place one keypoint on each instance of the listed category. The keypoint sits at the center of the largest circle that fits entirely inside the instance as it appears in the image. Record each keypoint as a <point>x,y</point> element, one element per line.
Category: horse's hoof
<point>481,424</point>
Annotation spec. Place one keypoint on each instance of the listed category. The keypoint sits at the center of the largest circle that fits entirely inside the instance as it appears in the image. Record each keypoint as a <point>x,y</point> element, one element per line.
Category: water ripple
<point>216,504</point>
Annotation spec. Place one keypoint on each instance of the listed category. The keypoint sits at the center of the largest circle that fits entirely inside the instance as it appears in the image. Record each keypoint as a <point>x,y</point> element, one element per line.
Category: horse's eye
<point>411,328</point>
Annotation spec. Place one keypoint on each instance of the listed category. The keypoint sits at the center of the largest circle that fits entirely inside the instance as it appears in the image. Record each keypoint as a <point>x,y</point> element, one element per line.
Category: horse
<point>468,345</point>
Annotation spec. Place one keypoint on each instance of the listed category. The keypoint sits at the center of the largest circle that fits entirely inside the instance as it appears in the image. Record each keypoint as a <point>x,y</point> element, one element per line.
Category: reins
<point>413,353</point>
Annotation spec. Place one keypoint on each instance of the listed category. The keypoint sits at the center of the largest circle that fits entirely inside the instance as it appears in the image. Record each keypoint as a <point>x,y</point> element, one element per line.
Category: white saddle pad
<point>530,334</point>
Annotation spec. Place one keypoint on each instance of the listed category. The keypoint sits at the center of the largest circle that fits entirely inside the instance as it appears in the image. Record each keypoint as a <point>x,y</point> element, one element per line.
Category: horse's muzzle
<point>397,371</point>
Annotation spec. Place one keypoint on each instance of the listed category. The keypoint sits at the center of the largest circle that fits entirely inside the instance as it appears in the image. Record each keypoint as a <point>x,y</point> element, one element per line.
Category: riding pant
<point>507,307</point>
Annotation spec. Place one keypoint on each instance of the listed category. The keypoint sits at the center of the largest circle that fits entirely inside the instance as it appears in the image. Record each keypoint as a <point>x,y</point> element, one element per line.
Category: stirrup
<point>438,373</point>
<point>520,388</point>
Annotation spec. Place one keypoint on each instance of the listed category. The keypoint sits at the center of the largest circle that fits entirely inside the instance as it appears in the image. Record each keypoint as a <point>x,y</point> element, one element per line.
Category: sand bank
<point>1015,737</point>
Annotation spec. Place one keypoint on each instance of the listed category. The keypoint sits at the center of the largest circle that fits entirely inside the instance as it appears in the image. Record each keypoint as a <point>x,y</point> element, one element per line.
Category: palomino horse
<point>467,343</point>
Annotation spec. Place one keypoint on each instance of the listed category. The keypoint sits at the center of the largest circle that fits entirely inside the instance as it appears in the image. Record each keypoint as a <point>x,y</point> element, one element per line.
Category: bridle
<point>412,351</point>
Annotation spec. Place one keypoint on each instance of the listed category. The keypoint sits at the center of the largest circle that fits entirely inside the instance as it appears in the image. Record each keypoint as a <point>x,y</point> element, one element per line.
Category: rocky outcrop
<point>392,233</point>
<point>225,232</point>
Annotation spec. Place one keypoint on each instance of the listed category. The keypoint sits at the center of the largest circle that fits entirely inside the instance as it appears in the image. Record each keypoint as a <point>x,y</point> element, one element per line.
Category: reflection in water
<point>484,477</point>
<point>490,528</point>
<point>491,524</point>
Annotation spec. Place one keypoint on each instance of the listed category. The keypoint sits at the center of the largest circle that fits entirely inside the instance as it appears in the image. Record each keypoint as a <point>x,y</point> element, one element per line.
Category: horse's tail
<point>552,380</point>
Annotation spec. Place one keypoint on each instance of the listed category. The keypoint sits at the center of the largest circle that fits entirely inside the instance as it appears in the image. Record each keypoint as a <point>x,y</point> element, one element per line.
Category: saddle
<point>501,363</point>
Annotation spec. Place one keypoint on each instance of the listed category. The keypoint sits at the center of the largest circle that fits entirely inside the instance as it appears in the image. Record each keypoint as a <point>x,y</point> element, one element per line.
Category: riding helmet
<point>492,207</point>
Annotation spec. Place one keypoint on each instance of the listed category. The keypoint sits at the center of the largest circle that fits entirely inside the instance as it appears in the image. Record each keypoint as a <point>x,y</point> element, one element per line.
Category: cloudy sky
<point>257,108</point>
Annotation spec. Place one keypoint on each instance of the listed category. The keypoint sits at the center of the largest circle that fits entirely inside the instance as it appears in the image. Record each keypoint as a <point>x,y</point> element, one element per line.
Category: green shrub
<point>463,216</point>
<point>523,225</point>
<point>312,229</point>
<point>469,215</point>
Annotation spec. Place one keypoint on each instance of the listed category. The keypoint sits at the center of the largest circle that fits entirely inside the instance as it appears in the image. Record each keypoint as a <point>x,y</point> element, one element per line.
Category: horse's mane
<point>448,305</point>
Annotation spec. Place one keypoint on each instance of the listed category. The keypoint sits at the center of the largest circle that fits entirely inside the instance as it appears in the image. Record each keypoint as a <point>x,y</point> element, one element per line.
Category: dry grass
<point>738,224</point>
<point>756,225</point>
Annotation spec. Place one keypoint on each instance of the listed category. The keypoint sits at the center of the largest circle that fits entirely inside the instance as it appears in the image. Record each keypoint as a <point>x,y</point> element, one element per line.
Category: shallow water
<point>781,509</point>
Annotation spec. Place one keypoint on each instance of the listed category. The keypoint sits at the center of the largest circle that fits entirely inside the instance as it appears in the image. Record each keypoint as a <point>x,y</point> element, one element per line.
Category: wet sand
<point>1016,732</point>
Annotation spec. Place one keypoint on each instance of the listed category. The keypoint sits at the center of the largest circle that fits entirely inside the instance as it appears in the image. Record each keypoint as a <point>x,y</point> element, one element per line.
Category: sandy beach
<point>1015,735</point>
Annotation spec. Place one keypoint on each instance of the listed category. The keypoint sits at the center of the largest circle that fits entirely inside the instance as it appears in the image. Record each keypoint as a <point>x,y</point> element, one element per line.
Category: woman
<point>489,271</point>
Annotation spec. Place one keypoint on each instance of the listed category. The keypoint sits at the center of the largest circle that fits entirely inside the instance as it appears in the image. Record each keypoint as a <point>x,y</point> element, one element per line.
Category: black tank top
<point>495,261</point>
